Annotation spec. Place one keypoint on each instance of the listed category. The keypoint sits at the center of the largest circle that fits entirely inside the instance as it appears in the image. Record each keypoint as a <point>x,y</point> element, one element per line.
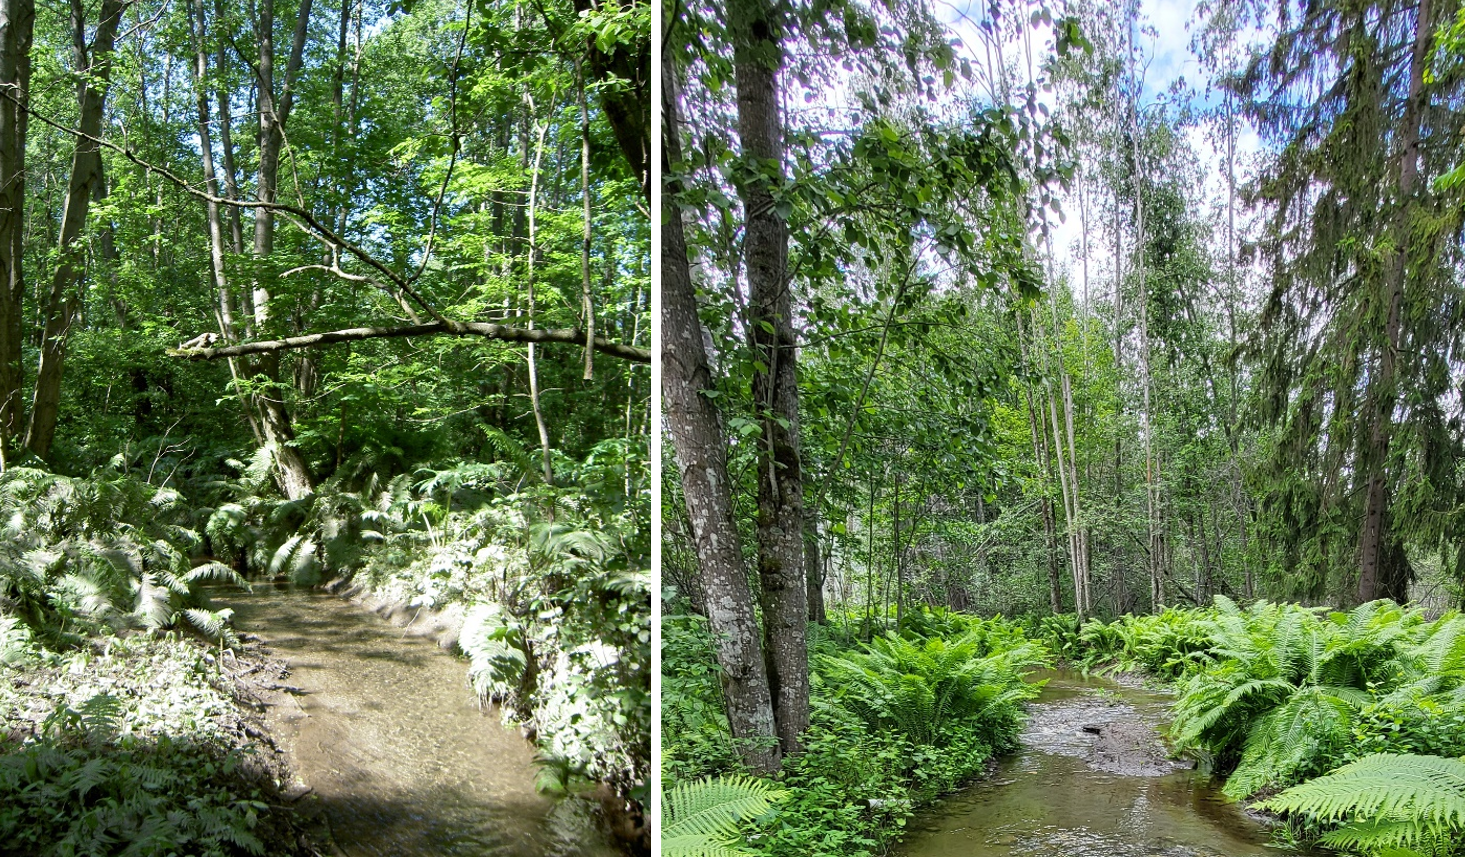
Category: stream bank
<point>145,743</point>
<point>1092,779</point>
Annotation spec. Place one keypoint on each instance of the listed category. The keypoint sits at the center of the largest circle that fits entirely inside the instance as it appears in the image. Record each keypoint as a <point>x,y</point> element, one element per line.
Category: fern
<point>497,664</point>
<point>1385,801</point>
<point>917,687</point>
<point>702,818</point>
<point>101,715</point>
<point>216,572</point>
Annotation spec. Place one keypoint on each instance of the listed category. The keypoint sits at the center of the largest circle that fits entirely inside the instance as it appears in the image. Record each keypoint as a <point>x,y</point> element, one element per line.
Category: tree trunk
<point>1382,570</point>
<point>17,27</point>
<point>701,454</point>
<point>626,105</point>
<point>899,574</point>
<point>86,177</point>
<point>755,28</point>
<point>814,574</point>
<point>1152,511</point>
<point>228,329</point>
<point>534,402</point>
<point>291,469</point>
<point>1044,461</point>
<point>587,300</point>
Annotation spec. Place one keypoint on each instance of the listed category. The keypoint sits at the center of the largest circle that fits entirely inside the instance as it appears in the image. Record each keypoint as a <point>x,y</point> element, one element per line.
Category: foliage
<point>1286,687</point>
<point>1275,694</point>
<point>701,818</point>
<point>160,761</point>
<point>1167,644</point>
<point>101,553</point>
<point>132,799</point>
<point>1385,801</point>
<point>895,724</point>
<point>917,689</point>
<point>695,737</point>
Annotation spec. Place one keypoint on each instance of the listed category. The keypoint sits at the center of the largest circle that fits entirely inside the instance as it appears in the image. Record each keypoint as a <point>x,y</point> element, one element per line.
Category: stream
<point>1090,780</point>
<point>388,736</point>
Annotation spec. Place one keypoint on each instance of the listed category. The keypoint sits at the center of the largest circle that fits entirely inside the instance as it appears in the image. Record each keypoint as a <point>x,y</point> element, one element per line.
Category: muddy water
<point>1091,780</point>
<point>386,732</point>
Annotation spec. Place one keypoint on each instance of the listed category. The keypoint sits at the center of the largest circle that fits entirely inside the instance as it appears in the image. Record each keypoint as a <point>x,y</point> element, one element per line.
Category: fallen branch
<point>472,328</point>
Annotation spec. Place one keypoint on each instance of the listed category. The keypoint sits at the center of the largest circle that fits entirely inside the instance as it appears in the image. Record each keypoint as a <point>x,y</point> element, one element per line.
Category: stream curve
<point>1090,780</point>
<point>400,760</point>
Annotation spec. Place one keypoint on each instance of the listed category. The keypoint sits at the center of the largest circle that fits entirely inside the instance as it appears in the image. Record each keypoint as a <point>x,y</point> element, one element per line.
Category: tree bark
<point>86,178</point>
<point>17,28</point>
<point>626,105</point>
<point>534,402</point>
<point>756,28</point>
<point>701,454</point>
<point>293,473</point>
<point>228,329</point>
<point>1383,571</point>
<point>814,575</point>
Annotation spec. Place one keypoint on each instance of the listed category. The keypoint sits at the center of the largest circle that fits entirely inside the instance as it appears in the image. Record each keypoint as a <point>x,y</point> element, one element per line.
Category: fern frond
<point>1425,792</point>
<point>702,818</point>
<point>216,572</point>
<point>213,624</point>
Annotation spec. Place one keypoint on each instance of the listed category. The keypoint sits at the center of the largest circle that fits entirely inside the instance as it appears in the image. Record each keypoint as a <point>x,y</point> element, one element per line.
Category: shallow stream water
<point>1090,781</point>
<point>386,732</point>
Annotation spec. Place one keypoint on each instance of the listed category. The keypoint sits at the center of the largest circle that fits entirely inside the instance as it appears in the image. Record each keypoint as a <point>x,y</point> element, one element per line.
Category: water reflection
<point>1050,799</point>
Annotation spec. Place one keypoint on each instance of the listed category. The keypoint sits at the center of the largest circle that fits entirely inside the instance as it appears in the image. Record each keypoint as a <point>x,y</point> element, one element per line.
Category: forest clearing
<point>1063,424</point>
<point>311,311</point>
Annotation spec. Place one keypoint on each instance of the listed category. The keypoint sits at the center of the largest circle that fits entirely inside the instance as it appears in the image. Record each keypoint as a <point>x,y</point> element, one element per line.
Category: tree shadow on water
<point>447,822</point>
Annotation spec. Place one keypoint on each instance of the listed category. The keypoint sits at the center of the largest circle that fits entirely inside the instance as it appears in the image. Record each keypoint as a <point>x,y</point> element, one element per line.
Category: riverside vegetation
<point>1350,726</point>
<point>1064,311</point>
<point>296,292</point>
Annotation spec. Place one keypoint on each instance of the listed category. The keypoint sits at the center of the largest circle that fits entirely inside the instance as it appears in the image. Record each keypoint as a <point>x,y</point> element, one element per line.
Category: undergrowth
<point>894,724</point>
<point>1279,696</point>
<point>133,746</point>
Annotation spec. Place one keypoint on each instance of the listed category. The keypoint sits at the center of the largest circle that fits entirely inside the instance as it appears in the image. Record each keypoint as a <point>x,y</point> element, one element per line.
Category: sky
<point>1164,46</point>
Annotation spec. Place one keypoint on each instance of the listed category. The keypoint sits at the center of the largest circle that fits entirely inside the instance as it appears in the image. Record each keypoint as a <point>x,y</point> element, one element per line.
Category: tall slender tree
<point>94,66</point>
<point>1364,253</point>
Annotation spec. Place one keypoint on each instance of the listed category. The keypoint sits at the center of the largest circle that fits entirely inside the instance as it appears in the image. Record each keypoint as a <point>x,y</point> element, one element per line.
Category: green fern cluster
<point>916,687</point>
<point>102,553</point>
<point>1287,690</point>
<point>1385,802</point>
<point>704,818</point>
<point>75,793</point>
<point>1167,644</point>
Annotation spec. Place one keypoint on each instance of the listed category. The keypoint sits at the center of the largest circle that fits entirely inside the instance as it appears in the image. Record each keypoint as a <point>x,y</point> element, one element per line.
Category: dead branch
<point>500,332</point>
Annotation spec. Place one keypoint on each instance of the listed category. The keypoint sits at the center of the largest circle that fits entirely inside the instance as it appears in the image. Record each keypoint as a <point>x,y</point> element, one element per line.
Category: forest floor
<point>170,691</point>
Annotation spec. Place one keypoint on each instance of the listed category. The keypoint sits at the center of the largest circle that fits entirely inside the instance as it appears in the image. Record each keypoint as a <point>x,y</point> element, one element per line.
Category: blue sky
<point>1166,54</point>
